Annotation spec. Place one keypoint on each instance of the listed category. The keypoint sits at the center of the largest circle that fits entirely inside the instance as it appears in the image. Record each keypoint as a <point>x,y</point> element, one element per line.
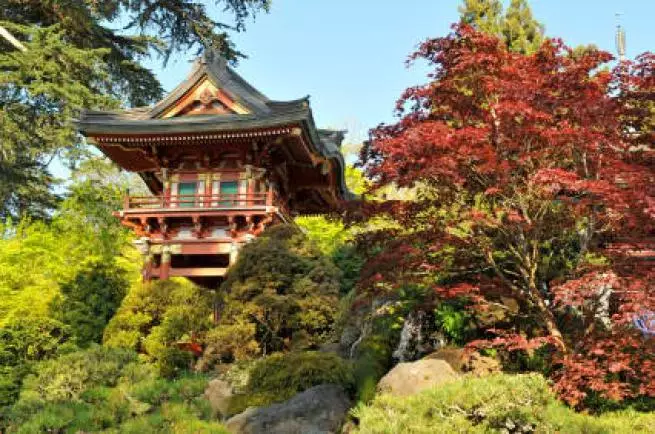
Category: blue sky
<point>348,55</point>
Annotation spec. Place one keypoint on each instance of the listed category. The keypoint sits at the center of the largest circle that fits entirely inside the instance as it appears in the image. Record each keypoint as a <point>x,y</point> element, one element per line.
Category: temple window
<point>229,190</point>
<point>185,191</point>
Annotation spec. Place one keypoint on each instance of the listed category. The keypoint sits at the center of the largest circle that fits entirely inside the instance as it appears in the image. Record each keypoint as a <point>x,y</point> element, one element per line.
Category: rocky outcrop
<point>321,409</point>
<point>219,393</point>
<point>410,378</point>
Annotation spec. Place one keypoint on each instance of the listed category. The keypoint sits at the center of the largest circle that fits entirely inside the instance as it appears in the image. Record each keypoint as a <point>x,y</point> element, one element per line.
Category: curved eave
<point>98,126</point>
<point>90,125</point>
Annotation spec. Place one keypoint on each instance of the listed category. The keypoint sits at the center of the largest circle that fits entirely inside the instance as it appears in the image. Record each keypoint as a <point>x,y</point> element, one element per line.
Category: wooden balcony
<point>268,202</point>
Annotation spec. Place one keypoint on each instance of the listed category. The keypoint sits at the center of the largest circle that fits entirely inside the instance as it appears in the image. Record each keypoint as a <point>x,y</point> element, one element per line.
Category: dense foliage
<point>279,377</point>
<point>501,403</point>
<point>155,317</point>
<point>517,28</point>
<point>60,281</point>
<point>109,389</point>
<point>282,293</point>
<point>527,173</point>
<point>526,182</point>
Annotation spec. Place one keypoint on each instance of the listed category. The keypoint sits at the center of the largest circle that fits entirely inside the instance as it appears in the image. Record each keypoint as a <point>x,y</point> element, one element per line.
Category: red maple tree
<point>533,176</point>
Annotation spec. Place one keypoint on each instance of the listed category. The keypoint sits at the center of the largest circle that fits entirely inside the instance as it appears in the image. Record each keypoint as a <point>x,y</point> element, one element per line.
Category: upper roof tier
<point>215,105</point>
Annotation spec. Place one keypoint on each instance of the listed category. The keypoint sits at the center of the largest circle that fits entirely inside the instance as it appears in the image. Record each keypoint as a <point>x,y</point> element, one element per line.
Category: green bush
<point>69,376</point>
<point>280,376</point>
<point>157,391</point>
<point>499,403</point>
<point>155,316</point>
<point>90,299</point>
<point>102,389</point>
<point>285,288</point>
<point>230,343</point>
<point>24,342</point>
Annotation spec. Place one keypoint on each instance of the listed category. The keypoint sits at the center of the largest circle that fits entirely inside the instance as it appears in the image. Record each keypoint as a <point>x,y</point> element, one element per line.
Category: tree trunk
<point>548,317</point>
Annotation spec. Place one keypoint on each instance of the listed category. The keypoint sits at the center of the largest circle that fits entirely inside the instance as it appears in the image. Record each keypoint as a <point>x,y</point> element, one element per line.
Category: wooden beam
<point>198,272</point>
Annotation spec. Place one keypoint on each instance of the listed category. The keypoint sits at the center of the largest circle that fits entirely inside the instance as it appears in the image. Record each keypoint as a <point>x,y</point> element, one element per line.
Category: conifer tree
<point>484,15</point>
<point>520,31</point>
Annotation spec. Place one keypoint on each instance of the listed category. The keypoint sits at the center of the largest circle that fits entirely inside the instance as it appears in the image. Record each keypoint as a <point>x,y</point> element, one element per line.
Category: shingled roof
<point>252,111</point>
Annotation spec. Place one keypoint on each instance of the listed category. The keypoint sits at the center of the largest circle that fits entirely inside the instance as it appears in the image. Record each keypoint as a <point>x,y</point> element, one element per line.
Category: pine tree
<point>520,31</point>
<point>484,15</point>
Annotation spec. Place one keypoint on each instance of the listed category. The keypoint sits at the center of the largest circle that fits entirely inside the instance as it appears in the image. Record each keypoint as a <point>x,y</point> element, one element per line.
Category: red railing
<point>247,200</point>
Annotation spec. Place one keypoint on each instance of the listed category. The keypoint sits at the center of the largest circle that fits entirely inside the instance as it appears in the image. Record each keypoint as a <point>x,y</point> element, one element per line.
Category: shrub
<point>499,403</point>
<point>455,321</point>
<point>280,376</point>
<point>24,342</point>
<point>156,315</point>
<point>90,299</point>
<point>67,377</point>
<point>285,288</point>
<point>159,390</point>
<point>107,389</point>
<point>229,343</point>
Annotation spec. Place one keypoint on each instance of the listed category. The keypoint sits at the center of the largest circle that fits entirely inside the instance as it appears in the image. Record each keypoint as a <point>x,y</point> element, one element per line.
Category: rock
<point>410,378</point>
<point>349,336</point>
<point>455,357</point>
<point>330,347</point>
<point>319,410</point>
<point>219,394</point>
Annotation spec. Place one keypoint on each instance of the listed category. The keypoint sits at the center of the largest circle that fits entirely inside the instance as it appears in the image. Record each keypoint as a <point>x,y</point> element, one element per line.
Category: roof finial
<point>620,38</point>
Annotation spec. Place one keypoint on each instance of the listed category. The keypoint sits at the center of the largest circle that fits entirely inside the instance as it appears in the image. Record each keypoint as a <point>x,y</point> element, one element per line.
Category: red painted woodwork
<point>205,133</point>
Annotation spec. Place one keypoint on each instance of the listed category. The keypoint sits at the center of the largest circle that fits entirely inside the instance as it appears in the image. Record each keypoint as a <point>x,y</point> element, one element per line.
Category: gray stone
<point>319,410</point>
<point>410,378</point>
<point>219,393</point>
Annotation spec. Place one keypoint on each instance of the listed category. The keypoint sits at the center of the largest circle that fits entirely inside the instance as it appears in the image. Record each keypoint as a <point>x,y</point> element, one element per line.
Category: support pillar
<point>234,253</point>
<point>147,268</point>
<point>165,266</point>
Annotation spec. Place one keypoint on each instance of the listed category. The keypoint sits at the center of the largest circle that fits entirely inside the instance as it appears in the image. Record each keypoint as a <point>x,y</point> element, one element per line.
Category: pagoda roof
<point>214,101</point>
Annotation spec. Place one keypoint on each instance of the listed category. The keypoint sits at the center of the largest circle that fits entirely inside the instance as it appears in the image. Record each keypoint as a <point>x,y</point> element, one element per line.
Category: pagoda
<point>222,162</point>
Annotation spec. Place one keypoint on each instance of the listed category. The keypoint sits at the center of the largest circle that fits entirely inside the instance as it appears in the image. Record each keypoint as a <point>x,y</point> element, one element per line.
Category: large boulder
<point>410,378</point>
<point>219,393</point>
<point>319,410</point>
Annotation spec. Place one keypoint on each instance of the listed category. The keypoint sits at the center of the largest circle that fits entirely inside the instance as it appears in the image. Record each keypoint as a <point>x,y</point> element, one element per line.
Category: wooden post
<point>270,195</point>
<point>147,268</point>
<point>165,266</point>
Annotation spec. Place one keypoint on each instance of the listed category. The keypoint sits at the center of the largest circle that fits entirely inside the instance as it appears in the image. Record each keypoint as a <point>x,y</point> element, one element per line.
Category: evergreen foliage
<point>500,403</point>
<point>517,28</point>
<point>89,301</point>
<point>103,389</point>
<point>283,286</point>
<point>155,316</point>
<point>279,377</point>
<point>522,33</point>
<point>484,15</point>
<point>24,342</point>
